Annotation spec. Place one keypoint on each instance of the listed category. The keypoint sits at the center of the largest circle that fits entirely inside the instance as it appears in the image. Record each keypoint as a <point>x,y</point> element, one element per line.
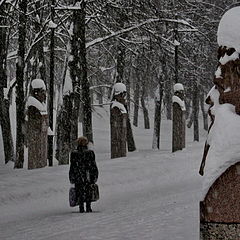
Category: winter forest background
<point>81,49</point>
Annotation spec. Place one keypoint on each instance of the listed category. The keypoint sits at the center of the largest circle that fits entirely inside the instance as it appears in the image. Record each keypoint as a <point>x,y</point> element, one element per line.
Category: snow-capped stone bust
<point>37,96</point>
<point>178,87</point>
<point>227,76</point>
<point>39,89</point>
<point>119,88</point>
<point>222,145</point>
<point>228,29</point>
<point>119,95</point>
<point>178,96</point>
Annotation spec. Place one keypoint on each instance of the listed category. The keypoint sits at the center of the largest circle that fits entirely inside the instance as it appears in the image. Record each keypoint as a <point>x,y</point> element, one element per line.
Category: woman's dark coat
<point>83,170</point>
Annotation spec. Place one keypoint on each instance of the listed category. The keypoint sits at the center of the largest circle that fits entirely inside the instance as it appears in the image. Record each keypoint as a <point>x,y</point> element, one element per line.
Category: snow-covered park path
<point>147,195</point>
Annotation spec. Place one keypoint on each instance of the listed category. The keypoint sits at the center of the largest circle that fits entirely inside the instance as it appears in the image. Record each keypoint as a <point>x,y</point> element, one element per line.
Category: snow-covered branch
<point>98,86</point>
<point>120,32</point>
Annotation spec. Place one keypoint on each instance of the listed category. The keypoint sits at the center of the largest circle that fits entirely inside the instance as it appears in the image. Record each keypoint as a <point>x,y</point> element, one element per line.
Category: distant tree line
<point>80,48</point>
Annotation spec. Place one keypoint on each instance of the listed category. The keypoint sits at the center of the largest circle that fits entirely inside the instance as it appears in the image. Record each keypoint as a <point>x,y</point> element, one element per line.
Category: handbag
<point>73,199</point>
<point>93,192</point>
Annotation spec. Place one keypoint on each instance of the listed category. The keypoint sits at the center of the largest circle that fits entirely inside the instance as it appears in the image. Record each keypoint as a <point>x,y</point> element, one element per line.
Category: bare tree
<point>20,106</point>
<point>4,102</point>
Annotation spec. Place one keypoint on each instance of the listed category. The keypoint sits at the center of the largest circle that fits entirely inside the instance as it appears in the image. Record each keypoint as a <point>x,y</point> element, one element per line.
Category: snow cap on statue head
<point>119,88</point>
<point>228,29</point>
<point>38,84</point>
<point>178,87</point>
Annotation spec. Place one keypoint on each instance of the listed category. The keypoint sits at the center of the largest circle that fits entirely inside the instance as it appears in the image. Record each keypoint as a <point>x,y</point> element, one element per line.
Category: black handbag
<point>93,192</point>
<point>73,199</point>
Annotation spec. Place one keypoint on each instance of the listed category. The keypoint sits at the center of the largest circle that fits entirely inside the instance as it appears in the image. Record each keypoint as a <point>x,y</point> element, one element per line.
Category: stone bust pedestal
<point>37,126</point>
<point>220,209</point>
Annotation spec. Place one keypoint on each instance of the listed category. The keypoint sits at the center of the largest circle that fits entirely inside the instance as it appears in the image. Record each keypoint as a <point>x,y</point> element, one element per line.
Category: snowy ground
<point>147,195</point>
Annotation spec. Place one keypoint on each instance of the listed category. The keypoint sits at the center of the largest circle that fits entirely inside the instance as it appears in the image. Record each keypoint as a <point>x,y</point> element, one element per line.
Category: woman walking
<point>83,173</point>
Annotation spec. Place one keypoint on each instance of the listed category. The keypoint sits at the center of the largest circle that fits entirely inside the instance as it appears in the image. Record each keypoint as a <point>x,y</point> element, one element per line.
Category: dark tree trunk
<point>87,111</point>
<point>63,144</point>
<point>4,103</point>
<point>75,72</point>
<point>204,113</point>
<point>3,46</point>
<point>168,98</point>
<point>51,86</point>
<point>136,104</point>
<point>100,95</point>
<point>195,101</point>
<point>20,106</point>
<point>145,111</point>
<point>120,62</point>
<point>157,118</point>
<point>130,139</point>
<point>190,122</point>
<point>6,128</point>
<point>128,86</point>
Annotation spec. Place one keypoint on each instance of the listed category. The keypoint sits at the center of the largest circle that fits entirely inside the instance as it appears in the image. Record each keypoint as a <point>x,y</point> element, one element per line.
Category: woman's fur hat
<point>82,141</point>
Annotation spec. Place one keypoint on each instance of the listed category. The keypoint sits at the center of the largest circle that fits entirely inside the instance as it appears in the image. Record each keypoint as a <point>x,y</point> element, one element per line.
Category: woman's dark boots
<point>88,207</point>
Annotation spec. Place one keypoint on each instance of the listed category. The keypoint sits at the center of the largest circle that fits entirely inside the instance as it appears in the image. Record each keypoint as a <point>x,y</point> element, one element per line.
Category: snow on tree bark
<point>130,140</point>
<point>157,118</point>
<point>20,106</point>
<point>145,111</point>
<point>168,97</point>
<point>136,104</point>
<point>4,103</point>
<point>87,111</point>
<point>195,106</point>
<point>63,143</point>
<point>78,73</point>
<point>6,128</point>
<point>204,112</point>
<point>51,83</point>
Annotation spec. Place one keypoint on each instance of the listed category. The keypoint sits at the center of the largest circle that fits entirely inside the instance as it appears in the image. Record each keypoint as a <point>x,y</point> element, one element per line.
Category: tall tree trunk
<point>122,18</point>
<point>87,111</point>
<point>20,107</point>
<point>51,85</point>
<point>145,111</point>
<point>3,46</point>
<point>6,128</point>
<point>190,122</point>
<point>100,94</point>
<point>128,86</point>
<point>4,103</point>
<point>63,143</point>
<point>204,113</point>
<point>168,98</point>
<point>130,140</point>
<point>75,73</point>
<point>195,101</point>
<point>136,104</point>
<point>120,62</point>
<point>157,118</point>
